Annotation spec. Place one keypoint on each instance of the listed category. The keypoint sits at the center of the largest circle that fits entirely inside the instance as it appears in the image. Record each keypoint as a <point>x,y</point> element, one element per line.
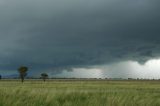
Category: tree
<point>0,77</point>
<point>22,72</point>
<point>44,76</point>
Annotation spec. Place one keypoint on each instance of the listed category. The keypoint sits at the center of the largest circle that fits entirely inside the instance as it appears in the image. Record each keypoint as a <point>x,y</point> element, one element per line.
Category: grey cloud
<point>63,34</point>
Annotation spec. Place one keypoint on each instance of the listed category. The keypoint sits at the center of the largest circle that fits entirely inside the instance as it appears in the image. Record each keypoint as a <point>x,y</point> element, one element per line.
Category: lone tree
<point>0,77</point>
<point>44,76</point>
<point>22,72</point>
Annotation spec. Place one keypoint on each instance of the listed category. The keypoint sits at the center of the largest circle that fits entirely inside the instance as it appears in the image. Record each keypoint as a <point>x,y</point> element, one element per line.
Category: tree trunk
<point>22,79</point>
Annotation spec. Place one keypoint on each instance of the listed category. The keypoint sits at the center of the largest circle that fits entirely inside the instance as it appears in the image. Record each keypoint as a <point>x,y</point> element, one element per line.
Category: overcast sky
<point>68,37</point>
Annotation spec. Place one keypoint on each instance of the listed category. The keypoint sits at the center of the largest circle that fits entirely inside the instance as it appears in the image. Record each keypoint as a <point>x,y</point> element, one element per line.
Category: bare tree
<point>22,72</point>
<point>44,76</point>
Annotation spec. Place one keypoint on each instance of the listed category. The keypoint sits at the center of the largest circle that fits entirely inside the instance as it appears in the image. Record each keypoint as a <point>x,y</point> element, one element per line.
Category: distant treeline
<point>23,74</point>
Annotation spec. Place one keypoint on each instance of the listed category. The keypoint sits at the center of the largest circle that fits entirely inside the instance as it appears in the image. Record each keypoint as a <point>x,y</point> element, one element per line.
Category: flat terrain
<point>79,93</point>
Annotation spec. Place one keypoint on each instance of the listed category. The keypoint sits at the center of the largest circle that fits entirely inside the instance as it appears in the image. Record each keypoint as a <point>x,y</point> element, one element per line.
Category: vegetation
<point>22,72</point>
<point>79,93</point>
<point>44,76</point>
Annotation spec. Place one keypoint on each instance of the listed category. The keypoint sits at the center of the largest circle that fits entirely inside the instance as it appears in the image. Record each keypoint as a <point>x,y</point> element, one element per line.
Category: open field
<point>79,93</point>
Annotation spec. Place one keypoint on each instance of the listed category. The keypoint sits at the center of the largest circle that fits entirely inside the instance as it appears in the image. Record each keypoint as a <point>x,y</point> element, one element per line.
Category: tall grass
<point>80,93</point>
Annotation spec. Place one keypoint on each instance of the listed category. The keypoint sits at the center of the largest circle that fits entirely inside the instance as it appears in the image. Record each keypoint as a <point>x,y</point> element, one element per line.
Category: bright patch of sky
<point>126,69</point>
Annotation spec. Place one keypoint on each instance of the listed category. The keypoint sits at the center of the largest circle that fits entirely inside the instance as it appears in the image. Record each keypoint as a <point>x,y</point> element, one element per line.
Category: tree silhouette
<point>44,76</point>
<point>22,72</point>
<point>0,77</point>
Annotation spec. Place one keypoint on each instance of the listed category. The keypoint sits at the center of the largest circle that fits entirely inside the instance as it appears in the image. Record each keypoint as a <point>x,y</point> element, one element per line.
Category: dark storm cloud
<point>62,34</point>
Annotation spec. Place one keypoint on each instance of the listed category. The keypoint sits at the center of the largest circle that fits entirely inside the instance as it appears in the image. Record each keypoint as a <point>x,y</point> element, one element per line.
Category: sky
<point>81,38</point>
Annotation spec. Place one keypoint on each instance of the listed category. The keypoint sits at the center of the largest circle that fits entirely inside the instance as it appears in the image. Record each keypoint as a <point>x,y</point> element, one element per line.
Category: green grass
<point>79,93</point>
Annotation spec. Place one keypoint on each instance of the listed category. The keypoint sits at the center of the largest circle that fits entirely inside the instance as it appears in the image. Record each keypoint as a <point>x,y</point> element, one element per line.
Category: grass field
<point>79,93</point>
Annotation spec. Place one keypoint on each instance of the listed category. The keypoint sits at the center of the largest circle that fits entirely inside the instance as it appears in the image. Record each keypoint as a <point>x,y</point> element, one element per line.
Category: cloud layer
<point>60,34</point>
